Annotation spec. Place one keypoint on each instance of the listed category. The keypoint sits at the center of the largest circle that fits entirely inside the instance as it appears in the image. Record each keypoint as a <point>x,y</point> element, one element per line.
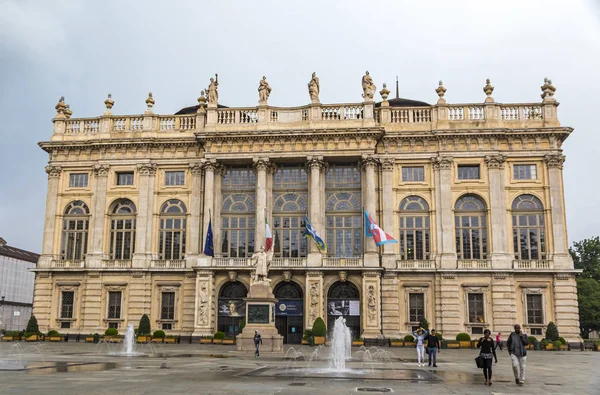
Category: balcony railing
<point>68,264</point>
<point>415,264</point>
<point>232,262</point>
<point>116,263</point>
<point>338,262</point>
<point>474,264</point>
<point>288,262</point>
<point>167,263</point>
<point>533,264</point>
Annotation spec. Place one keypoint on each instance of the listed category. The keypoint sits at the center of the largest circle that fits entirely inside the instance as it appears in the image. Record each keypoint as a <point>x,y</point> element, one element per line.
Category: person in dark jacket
<point>257,343</point>
<point>433,347</point>
<point>517,349</point>
<point>486,343</point>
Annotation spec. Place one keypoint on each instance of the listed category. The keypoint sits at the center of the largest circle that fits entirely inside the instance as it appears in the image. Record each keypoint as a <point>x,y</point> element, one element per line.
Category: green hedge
<point>409,338</point>
<point>53,333</point>
<point>319,328</point>
<point>557,344</point>
<point>562,340</point>
<point>111,332</point>
<point>32,325</point>
<point>544,343</point>
<point>159,334</point>
<point>532,339</point>
<point>463,337</point>
<point>144,328</point>
<point>307,334</point>
<point>220,335</point>
<point>552,332</point>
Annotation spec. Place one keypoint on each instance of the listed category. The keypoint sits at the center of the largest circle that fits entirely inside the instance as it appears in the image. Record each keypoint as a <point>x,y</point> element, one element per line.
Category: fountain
<point>129,341</point>
<point>341,345</point>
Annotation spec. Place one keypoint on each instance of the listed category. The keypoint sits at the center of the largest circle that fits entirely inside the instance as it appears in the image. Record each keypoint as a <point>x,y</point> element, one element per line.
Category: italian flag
<point>269,236</point>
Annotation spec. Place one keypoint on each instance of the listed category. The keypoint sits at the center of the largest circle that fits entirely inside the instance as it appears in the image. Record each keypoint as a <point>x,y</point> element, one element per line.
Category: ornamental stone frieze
<point>53,171</point>
<point>495,161</point>
<point>442,162</point>
<point>101,170</point>
<point>555,160</point>
<point>316,162</point>
<point>147,169</point>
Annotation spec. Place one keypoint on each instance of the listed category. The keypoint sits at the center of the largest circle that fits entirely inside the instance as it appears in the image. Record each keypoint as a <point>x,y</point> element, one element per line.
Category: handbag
<point>479,362</point>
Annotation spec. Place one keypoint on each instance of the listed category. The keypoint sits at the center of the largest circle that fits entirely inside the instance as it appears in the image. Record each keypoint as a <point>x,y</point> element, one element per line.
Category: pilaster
<point>219,174</point>
<point>51,215</point>
<point>315,302</point>
<point>96,253</point>
<point>205,312</point>
<point>143,234</point>
<point>195,209</point>
<point>387,220</point>
<point>561,257</point>
<point>261,165</point>
<point>442,166</point>
<point>451,322</point>
<point>316,169</point>
<point>390,300</point>
<point>371,301</point>
<point>504,303</point>
<point>368,166</point>
<point>209,166</point>
<point>501,257</point>
<point>566,307</point>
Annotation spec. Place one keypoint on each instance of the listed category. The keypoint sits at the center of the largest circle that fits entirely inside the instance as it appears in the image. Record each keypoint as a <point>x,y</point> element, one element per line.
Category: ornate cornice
<point>147,169</point>
<point>53,171</point>
<point>555,160</point>
<point>442,162</point>
<point>101,170</point>
<point>369,161</point>
<point>495,161</point>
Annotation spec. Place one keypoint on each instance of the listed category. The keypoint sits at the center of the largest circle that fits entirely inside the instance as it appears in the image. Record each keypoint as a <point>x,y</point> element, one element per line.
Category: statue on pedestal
<point>264,90</point>
<point>368,87</point>
<point>261,260</point>
<point>213,94</point>
<point>314,88</point>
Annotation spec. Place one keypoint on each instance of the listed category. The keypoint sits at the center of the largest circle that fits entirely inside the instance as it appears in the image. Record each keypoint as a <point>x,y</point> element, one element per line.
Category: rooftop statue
<point>264,90</point>
<point>314,88</point>
<point>213,93</point>
<point>368,87</point>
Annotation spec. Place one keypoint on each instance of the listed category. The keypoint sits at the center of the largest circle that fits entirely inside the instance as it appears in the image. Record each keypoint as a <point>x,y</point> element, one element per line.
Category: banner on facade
<point>232,308</point>
<point>289,308</point>
<point>343,307</point>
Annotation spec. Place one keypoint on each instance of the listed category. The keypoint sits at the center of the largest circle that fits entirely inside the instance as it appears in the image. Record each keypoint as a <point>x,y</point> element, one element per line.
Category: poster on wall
<point>343,307</point>
<point>232,308</point>
<point>289,308</point>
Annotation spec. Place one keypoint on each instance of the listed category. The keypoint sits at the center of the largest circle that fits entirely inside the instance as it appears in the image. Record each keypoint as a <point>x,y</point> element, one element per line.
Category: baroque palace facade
<point>472,192</point>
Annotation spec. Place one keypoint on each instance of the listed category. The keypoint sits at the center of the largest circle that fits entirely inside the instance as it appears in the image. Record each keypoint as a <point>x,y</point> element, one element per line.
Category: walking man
<point>433,347</point>
<point>499,341</point>
<point>517,349</point>
<point>257,343</point>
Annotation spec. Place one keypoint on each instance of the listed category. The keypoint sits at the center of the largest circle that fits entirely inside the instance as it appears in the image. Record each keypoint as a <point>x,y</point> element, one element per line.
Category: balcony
<point>474,263</point>
<point>167,264</point>
<point>232,262</point>
<point>343,262</point>
<point>533,264</point>
<point>288,262</point>
<point>415,264</point>
<point>116,264</point>
<point>68,264</point>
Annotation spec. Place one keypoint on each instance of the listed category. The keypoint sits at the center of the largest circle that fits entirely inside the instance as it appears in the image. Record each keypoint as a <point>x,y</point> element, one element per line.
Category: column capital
<point>387,164</point>
<point>101,170</point>
<point>53,171</point>
<point>315,274</point>
<point>442,162</point>
<point>316,162</point>
<point>555,160</point>
<point>147,169</point>
<point>261,164</point>
<point>495,161</point>
<point>368,161</point>
<point>196,168</point>
<point>209,164</point>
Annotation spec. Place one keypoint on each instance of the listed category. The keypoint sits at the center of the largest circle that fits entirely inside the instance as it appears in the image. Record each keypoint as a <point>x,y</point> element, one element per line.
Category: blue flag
<point>311,232</point>
<point>209,248</point>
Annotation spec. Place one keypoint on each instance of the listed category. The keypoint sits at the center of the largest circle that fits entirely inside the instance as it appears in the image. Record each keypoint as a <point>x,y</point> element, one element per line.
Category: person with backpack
<point>486,344</point>
<point>516,345</point>
<point>257,343</point>
<point>433,347</point>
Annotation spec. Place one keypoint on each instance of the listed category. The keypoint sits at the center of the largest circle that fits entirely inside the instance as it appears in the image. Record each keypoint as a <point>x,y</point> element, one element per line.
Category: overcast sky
<point>84,50</point>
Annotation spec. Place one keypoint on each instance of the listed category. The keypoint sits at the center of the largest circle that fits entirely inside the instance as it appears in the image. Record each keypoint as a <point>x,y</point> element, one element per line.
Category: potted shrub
<point>144,331</point>
<point>170,339</point>
<point>111,335</point>
<point>306,336</point>
<point>358,342</point>
<point>54,336</point>
<point>229,340</point>
<point>396,343</point>
<point>556,345</point>
<point>32,332</point>
<point>206,339</point>
<point>218,337</point>
<point>158,336</point>
<point>532,341</point>
<point>89,338</point>
<point>544,344</point>
<point>409,341</point>
<point>464,340</point>
<point>563,343</point>
<point>319,331</point>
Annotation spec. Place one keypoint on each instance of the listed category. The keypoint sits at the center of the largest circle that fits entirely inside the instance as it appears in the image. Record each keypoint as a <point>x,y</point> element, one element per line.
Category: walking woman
<point>420,336</point>
<point>486,343</point>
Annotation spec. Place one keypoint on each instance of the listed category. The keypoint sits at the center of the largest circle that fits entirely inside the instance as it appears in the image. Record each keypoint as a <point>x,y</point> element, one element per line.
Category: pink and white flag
<point>374,231</point>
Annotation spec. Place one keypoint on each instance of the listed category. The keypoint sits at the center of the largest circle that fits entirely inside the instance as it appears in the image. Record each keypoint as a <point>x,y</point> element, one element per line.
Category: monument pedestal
<point>260,316</point>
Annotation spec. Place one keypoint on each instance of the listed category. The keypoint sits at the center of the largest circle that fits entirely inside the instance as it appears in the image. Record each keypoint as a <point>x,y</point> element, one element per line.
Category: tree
<point>588,295</point>
<point>586,256</point>
<point>144,328</point>
<point>424,324</point>
<point>319,328</point>
<point>552,332</point>
<point>32,325</point>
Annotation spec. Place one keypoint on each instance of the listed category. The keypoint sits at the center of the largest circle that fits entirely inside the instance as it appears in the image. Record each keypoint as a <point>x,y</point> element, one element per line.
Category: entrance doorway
<point>289,312</point>
<point>232,308</point>
<point>343,300</point>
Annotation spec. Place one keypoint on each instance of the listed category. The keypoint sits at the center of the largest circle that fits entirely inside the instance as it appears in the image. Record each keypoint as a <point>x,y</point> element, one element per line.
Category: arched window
<point>414,228</point>
<point>529,233</point>
<point>232,307</point>
<point>344,224</point>
<point>343,299</point>
<point>288,290</point>
<point>471,228</point>
<point>75,230</point>
<point>289,211</point>
<point>171,243</point>
<point>238,223</point>
<point>122,229</point>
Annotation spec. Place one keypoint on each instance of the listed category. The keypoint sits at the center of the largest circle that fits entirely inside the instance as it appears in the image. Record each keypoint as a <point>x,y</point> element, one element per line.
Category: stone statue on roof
<point>213,93</point>
<point>368,87</point>
<point>264,90</point>
<point>314,88</point>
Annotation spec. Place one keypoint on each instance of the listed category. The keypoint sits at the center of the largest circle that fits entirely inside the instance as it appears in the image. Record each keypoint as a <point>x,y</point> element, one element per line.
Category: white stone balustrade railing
<point>187,123</point>
<point>331,113</point>
<point>415,264</point>
<point>521,112</point>
<point>476,112</point>
<point>232,262</point>
<point>533,264</point>
<point>73,127</point>
<point>166,123</point>
<point>68,263</point>
<point>136,123</point>
<point>167,263</point>
<point>337,262</point>
<point>474,264</point>
<point>288,262</point>
<point>116,263</point>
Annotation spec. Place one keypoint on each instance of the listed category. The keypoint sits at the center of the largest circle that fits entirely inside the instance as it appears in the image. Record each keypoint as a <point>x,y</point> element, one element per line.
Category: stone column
<point>315,166</point>
<point>218,199</point>
<point>387,220</point>
<point>566,307</point>
<point>369,197</point>
<point>205,313</point>
<point>209,166</point>
<point>193,242</point>
<point>51,213</point>
<point>560,255</point>
<point>315,302</point>
<point>95,253</point>
<point>371,309</point>
<point>143,231</point>
<point>444,214</point>
<point>261,165</point>
<point>500,255</point>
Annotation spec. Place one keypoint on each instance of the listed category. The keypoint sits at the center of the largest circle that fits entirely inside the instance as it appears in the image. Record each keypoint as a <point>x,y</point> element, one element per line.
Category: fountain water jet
<point>129,341</point>
<point>341,345</point>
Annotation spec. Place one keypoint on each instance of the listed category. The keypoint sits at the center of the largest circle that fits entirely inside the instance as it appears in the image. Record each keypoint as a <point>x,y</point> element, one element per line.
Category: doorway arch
<point>232,307</point>
<point>289,311</point>
<point>343,299</point>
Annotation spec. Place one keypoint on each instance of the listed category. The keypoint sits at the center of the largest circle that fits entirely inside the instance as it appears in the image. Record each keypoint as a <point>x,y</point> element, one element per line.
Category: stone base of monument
<point>260,316</point>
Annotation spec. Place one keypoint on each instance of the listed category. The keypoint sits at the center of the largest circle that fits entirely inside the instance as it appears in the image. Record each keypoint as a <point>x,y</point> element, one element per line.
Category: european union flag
<point>209,248</point>
<point>311,232</point>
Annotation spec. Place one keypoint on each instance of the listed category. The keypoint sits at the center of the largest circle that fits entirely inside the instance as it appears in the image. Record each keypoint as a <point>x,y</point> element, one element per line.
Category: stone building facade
<point>473,193</point>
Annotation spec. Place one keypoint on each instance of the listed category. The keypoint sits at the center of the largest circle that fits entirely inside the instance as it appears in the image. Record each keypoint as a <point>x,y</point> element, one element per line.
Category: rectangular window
<point>113,325</point>
<point>416,307</point>
<point>524,172</point>
<point>413,174</point>
<point>535,331</point>
<point>167,306</point>
<point>114,305</point>
<point>534,309</point>
<point>78,180</point>
<point>468,172</point>
<point>125,178</point>
<point>477,330</point>
<point>476,308</point>
<point>167,327</point>
<point>65,325</point>
<point>66,304</point>
<point>174,178</point>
